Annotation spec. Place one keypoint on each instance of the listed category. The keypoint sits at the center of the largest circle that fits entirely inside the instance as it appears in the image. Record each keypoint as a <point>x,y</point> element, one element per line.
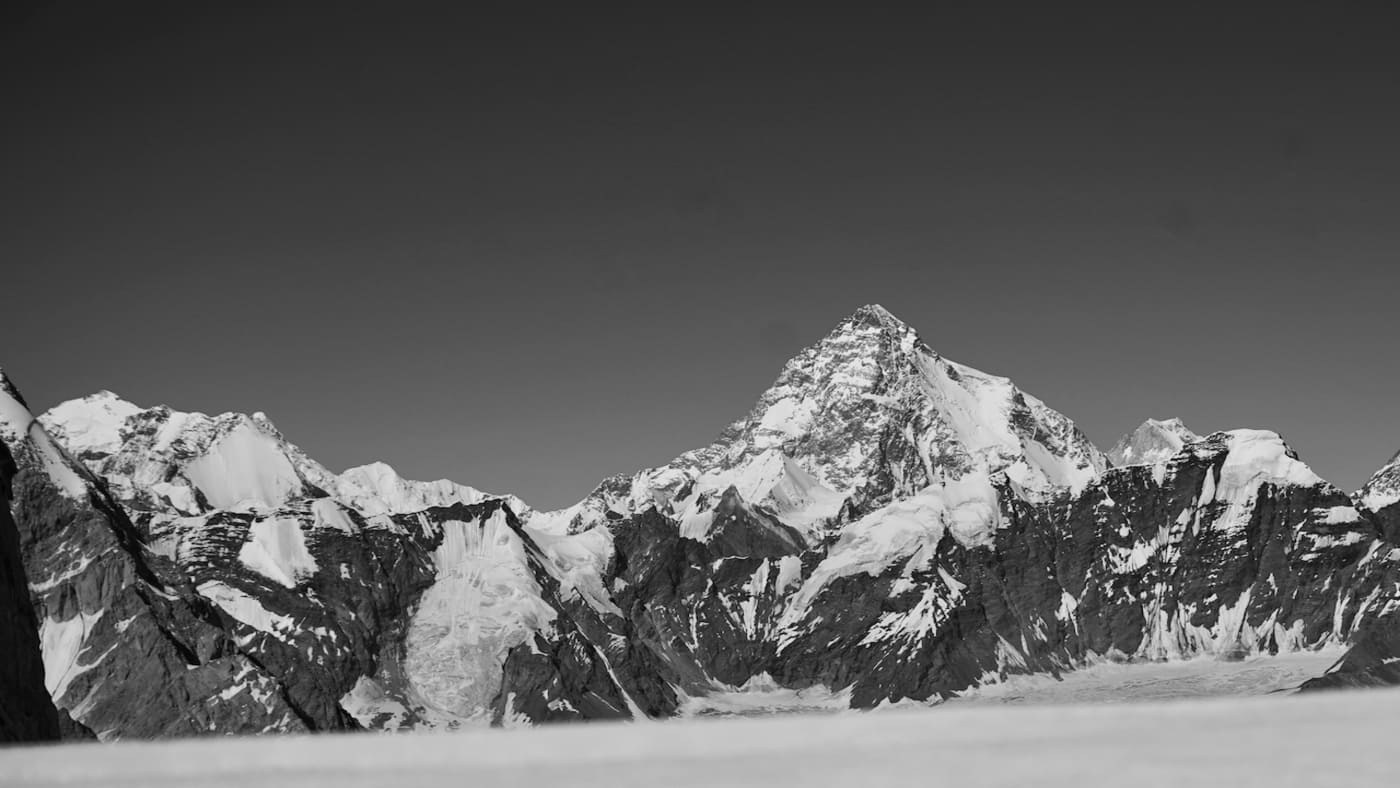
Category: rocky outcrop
<point>26,712</point>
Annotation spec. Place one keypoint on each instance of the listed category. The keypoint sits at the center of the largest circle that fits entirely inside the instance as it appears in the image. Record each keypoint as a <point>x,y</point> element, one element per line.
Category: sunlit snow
<point>1342,739</point>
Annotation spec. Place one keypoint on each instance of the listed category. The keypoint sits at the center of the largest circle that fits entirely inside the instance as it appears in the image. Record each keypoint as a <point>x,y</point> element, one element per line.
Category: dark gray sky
<point>527,249</point>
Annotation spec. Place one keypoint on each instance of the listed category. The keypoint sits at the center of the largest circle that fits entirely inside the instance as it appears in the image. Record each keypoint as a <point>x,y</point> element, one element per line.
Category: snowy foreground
<point>1341,738</point>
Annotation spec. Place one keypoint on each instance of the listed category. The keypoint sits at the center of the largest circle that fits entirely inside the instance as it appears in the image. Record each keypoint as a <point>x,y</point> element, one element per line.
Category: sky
<point>526,248</point>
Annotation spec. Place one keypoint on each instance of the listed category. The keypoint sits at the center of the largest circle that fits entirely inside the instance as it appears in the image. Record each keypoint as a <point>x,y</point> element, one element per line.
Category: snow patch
<point>61,644</point>
<point>276,549</point>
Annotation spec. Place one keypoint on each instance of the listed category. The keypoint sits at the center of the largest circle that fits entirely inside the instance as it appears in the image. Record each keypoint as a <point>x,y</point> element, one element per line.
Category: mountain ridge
<point>884,522</point>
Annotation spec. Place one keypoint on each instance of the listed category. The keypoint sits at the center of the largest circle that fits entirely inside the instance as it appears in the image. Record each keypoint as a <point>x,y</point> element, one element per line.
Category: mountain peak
<point>876,315</point>
<point>869,414</point>
<point>91,424</point>
<point>1154,441</point>
<point>1382,490</point>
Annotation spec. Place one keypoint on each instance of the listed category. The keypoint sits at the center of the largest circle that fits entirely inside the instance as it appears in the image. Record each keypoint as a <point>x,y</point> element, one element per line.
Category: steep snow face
<point>870,414</point>
<point>1153,442</point>
<point>1258,456</point>
<point>1383,489</point>
<point>244,466</point>
<point>276,549</point>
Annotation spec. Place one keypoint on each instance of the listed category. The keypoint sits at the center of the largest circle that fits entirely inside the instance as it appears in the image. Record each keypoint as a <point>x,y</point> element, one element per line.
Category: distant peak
<point>1155,440</point>
<point>105,396</point>
<point>1172,425</point>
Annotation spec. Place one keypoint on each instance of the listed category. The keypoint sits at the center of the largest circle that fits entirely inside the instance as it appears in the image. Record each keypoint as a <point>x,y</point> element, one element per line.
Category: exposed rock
<point>26,712</point>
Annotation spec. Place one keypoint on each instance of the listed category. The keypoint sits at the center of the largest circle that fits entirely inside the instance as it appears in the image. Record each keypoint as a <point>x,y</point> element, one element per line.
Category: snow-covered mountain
<point>1152,442</point>
<point>885,524</point>
<point>868,415</point>
<point>295,597</point>
<point>1381,496</point>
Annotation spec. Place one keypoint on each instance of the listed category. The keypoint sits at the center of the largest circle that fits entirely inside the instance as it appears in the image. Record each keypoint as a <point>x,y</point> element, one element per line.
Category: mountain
<point>293,598</point>
<point>885,524</point>
<point>866,416</point>
<point>26,713</point>
<point>1374,656</point>
<point>1155,441</point>
<point>1381,496</point>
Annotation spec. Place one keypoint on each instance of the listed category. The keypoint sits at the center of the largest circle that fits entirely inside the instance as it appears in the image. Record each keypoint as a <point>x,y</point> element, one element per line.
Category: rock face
<point>26,712</point>
<point>885,523</point>
<point>1374,656</point>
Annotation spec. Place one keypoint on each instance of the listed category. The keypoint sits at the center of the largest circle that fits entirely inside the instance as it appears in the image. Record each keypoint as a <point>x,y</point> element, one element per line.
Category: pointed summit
<point>877,316</point>
<point>866,416</point>
<point>1154,441</point>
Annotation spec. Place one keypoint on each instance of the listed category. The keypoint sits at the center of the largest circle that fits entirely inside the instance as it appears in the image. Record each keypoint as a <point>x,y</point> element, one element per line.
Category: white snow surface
<point>1339,738</point>
<point>1104,681</point>
<point>92,424</point>
<point>246,466</point>
<point>1255,458</point>
<point>62,642</point>
<point>247,610</point>
<point>377,488</point>
<point>153,457</point>
<point>276,549</point>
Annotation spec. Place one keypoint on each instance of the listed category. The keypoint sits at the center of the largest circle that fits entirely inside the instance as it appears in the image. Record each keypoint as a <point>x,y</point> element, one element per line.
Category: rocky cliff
<point>26,712</point>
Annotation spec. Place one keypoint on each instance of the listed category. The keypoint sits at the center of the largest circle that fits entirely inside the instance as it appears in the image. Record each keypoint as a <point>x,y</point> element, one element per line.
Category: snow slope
<point>1309,740</point>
